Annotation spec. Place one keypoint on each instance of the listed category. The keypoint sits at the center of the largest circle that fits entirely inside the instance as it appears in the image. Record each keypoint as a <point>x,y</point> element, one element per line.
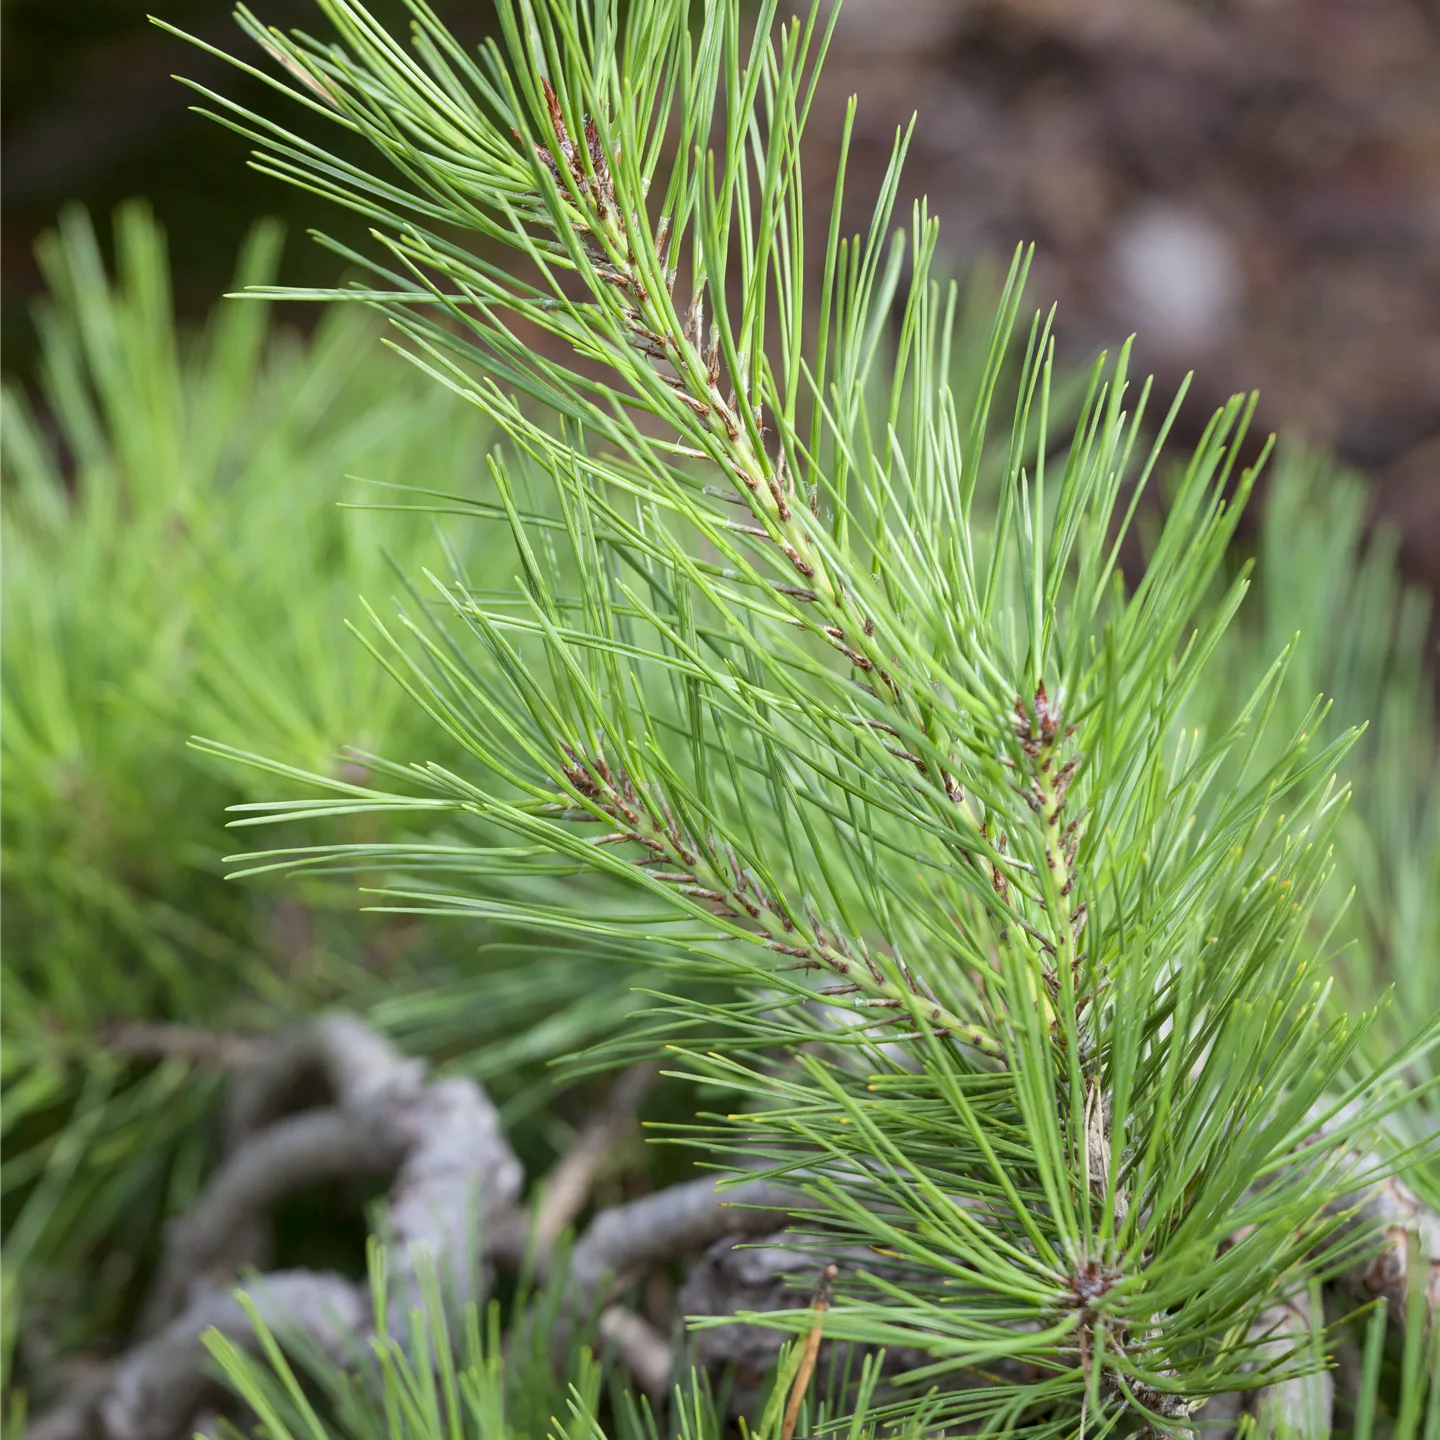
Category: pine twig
<point>184,1042</point>
<point>801,1384</point>
<point>570,1182</point>
<point>639,1347</point>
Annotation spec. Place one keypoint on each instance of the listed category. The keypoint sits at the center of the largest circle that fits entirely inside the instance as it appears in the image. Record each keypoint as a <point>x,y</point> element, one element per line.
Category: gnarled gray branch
<point>1303,1404</point>
<point>298,1151</point>
<point>155,1389</point>
<point>1386,1208</point>
<point>450,1163</point>
<point>682,1220</point>
<point>668,1225</point>
<point>159,1385</point>
<point>1395,1212</point>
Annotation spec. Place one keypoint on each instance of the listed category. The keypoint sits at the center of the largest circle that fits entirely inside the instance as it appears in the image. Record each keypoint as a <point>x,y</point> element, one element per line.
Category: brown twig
<point>571,1181</point>
<point>639,1347</point>
<point>801,1385</point>
<point>184,1042</point>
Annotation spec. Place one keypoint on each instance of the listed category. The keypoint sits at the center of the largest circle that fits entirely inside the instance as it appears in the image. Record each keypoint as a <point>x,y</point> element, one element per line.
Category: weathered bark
<point>450,1165</point>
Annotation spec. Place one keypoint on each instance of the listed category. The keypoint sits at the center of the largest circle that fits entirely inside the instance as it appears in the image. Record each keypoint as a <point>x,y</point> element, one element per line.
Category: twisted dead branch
<point>1404,1232</point>
<point>448,1160</point>
<point>1304,1404</point>
<point>628,1240</point>
<point>1391,1209</point>
<point>455,1185</point>
<point>158,1386</point>
<point>620,1242</point>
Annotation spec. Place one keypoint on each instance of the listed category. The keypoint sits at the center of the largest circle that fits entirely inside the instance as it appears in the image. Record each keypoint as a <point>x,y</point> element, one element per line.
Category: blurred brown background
<point>1254,185</point>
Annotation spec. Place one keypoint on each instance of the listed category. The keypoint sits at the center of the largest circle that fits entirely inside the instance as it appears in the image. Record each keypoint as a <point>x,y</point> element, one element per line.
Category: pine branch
<point>884,981</point>
<point>894,700</point>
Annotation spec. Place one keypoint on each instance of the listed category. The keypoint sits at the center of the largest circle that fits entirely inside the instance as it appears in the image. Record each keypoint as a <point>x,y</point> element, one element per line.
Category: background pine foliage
<point>164,507</point>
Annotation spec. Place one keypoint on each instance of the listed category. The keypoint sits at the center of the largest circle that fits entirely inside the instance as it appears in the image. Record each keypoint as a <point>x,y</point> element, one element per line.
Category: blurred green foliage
<point>168,503</point>
<point>156,523</point>
<point>1328,592</point>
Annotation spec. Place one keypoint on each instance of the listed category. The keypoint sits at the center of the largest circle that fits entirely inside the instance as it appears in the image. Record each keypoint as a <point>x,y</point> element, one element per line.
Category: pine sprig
<point>846,683</point>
